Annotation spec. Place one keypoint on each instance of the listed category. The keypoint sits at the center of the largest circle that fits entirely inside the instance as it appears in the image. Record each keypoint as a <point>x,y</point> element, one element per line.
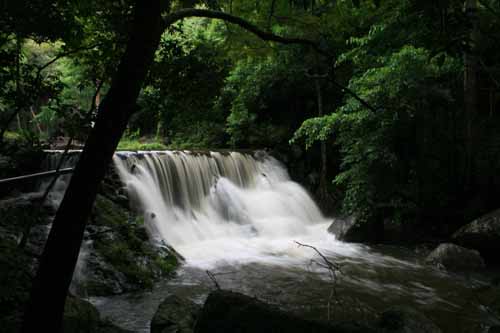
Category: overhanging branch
<point>250,27</point>
<point>65,54</point>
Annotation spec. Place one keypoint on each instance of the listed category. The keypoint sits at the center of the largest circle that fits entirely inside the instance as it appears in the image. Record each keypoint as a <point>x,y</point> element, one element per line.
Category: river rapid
<point>239,217</point>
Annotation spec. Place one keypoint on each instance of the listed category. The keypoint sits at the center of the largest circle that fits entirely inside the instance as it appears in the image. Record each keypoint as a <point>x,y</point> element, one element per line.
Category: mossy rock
<point>226,311</point>
<point>108,213</point>
<point>81,316</point>
<point>123,258</point>
<point>175,314</point>
<point>455,258</point>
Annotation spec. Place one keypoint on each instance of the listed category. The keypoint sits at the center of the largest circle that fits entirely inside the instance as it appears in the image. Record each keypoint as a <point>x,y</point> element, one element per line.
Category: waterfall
<point>51,162</point>
<point>217,207</point>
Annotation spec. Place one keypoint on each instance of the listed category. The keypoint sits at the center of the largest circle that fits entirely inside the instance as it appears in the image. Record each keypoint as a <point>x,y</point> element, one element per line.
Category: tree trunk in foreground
<point>44,313</point>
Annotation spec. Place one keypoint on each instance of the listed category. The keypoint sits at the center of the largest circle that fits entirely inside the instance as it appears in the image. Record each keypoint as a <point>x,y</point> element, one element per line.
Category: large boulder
<point>405,320</point>
<point>175,315</point>
<point>482,234</point>
<point>81,317</point>
<point>350,229</point>
<point>455,258</point>
<point>226,311</point>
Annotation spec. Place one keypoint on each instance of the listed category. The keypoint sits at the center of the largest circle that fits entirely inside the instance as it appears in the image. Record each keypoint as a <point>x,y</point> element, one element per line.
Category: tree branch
<point>264,35</point>
<point>354,95</point>
<point>65,54</point>
<point>487,6</point>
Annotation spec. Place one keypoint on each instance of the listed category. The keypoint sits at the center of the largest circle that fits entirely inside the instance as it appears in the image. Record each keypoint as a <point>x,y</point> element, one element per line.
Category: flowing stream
<point>239,216</point>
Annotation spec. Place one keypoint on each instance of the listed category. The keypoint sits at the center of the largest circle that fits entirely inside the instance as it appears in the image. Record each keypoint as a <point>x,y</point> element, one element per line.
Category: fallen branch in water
<point>212,277</point>
<point>333,268</point>
<point>214,280</point>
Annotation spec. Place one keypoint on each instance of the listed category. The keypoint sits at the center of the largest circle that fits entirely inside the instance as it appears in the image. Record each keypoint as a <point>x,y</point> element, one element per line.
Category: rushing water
<point>218,208</point>
<point>239,216</point>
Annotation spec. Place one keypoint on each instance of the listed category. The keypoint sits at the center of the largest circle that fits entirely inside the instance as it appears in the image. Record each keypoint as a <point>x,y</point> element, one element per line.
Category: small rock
<point>352,230</point>
<point>175,315</point>
<point>82,317</point>
<point>455,258</point>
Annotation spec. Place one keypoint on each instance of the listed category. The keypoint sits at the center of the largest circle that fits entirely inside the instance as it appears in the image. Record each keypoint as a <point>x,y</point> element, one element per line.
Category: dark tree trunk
<point>44,313</point>
<point>323,191</point>
<point>470,92</point>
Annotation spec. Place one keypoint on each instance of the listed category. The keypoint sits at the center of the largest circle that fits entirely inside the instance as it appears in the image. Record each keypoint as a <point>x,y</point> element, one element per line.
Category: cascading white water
<point>215,208</point>
<point>51,162</point>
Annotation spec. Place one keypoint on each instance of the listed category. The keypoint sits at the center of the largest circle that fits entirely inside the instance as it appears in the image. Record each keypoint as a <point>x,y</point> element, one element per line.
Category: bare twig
<point>214,280</point>
<point>212,277</point>
<point>333,269</point>
<point>327,262</point>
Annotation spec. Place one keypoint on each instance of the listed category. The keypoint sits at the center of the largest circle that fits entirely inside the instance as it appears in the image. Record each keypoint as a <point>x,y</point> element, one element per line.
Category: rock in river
<point>226,311</point>
<point>455,258</point>
<point>350,229</point>
<point>482,234</point>
<point>175,315</point>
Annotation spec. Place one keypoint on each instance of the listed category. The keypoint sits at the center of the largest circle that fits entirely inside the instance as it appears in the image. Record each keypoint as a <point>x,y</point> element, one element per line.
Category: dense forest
<point>385,111</point>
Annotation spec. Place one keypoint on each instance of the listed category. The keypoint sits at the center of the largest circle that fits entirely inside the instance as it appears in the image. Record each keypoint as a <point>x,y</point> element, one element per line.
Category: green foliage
<point>177,103</point>
<point>18,157</point>
<point>257,94</point>
<point>135,145</point>
<point>132,141</point>
<point>245,90</point>
<point>380,157</point>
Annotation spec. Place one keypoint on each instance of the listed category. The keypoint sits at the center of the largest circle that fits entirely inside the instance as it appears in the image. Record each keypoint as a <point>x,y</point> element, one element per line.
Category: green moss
<point>9,135</point>
<point>108,213</point>
<point>127,248</point>
<point>81,316</point>
<point>167,264</point>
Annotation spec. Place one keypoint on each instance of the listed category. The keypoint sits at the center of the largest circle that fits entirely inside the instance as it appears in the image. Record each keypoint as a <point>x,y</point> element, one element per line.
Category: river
<point>239,217</point>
